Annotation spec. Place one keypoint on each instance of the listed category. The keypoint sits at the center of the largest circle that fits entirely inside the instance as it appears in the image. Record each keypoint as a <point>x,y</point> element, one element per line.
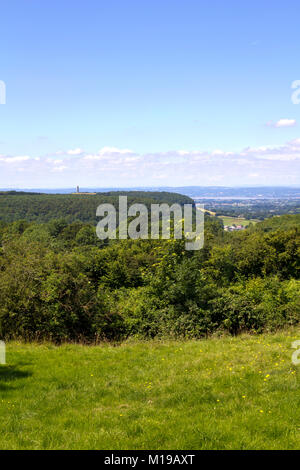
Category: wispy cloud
<point>112,166</point>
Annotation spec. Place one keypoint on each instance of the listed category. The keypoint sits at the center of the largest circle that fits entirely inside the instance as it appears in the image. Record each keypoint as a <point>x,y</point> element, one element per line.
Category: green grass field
<point>237,221</point>
<point>227,393</point>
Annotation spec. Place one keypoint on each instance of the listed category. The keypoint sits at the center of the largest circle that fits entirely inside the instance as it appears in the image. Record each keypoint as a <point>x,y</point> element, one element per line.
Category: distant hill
<point>212,192</point>
<point>35,207</point>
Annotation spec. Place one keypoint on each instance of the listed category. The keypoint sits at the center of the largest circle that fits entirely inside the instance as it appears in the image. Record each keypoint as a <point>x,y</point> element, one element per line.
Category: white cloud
<point>93,157</point>
<point>286,123</point>
<point>8,159</point>
<point>77,151</point>
<point>54,162</point>
<point>108,152</point>
<point>282,123</point>
<point>60,168</point>
<point>113,151</point>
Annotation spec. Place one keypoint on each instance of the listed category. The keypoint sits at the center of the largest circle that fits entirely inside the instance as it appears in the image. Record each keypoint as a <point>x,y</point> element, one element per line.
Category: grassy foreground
<point>229,393</point>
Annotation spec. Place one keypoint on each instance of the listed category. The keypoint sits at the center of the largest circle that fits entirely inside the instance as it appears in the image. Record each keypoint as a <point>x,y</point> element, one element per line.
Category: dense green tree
<point>58,281</point>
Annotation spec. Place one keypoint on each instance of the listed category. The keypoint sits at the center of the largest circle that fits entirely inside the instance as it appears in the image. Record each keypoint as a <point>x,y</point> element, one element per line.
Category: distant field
<point>237,221</point>
<point>230,393</point>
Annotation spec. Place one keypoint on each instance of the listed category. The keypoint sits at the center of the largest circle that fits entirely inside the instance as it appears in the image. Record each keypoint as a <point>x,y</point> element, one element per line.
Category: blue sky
<point>131,93</point>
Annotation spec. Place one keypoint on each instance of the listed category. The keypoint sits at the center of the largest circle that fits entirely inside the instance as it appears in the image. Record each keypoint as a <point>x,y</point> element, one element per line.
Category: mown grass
<point>228,393</point>
<point>237,221</point>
